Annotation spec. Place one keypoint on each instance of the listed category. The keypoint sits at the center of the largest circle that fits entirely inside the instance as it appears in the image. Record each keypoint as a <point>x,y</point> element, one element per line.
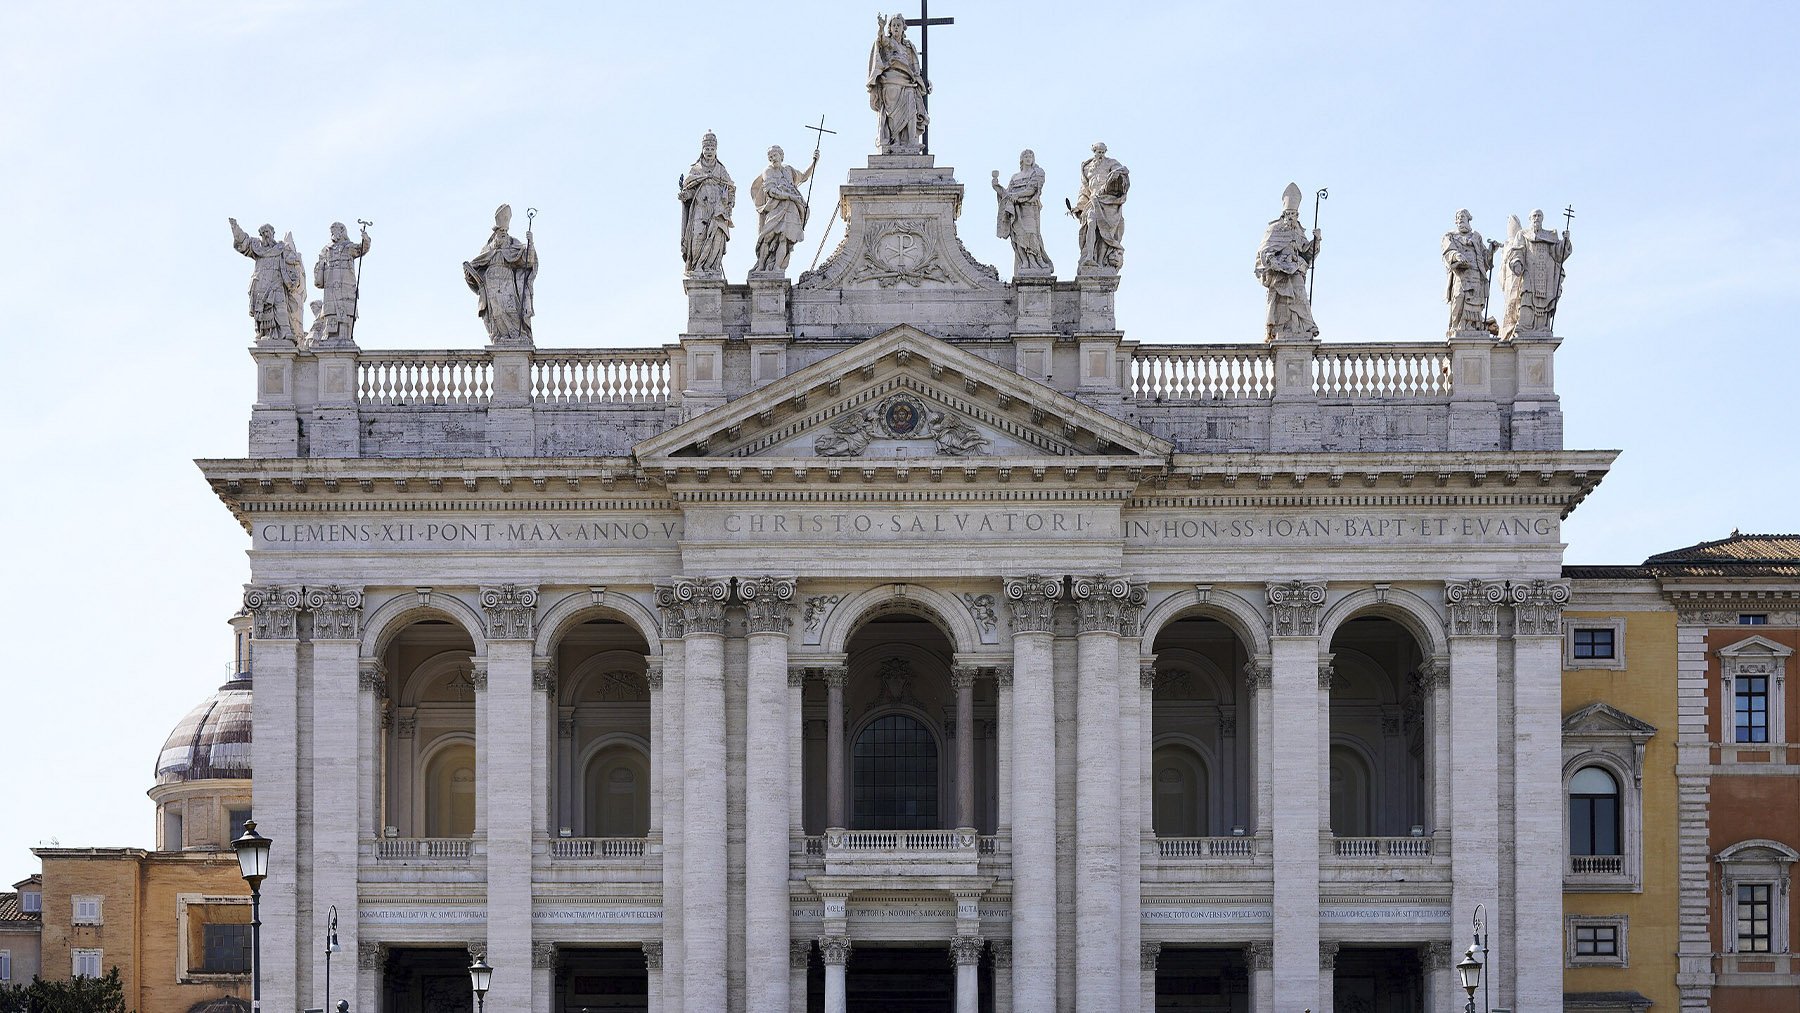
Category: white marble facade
<point>907,610</point>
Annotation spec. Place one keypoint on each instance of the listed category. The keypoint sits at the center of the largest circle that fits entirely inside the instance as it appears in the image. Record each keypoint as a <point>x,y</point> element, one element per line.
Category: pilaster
<point>1031,602</point>
<point>965,957</point>
<point>1100,605</point>
<point>702,603</point>
<point>1537,790</point>
<point>670,758</point>
<point>799,952</point>
<point>768,605</point>
<point>1298,778</point>
<point>653,972</point>
<point>507,760</point>
<point>543,976</point>
<point>1148,952</point>
<point>275,706</point>
<point>1259,957</point>
<point>342,722</point>
<point>1003,979</point>
<point>1475,745</point>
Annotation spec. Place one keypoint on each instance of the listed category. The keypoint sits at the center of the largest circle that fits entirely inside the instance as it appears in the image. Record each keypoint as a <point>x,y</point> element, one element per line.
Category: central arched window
<point>896,776</point>
<point>450,793</point>
<point>1178,799</point>
<point>1593,813</point>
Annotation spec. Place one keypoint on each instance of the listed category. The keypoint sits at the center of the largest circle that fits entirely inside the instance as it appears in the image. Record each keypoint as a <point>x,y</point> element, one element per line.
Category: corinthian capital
<point>1106,604</point>
<point>1474,606</point>
<point>768,603</point>
<point>511,611</point>
<point>274,612</point>
<point>1537,608</point>
<point>336,612</point>
<point>1294,608</point>
<point>701,601</point>
<point>1032,602</point>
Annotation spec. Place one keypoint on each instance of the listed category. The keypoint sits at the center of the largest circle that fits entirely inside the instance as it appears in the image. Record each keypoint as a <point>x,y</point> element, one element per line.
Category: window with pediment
<point>1753,885</point>
<point>1752,674</point>
<point>1603,769</point>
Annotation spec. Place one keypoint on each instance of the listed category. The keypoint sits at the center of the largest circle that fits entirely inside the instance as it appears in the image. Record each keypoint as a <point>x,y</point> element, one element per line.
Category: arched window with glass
<point>895,775</point>
<point>1594,814</point>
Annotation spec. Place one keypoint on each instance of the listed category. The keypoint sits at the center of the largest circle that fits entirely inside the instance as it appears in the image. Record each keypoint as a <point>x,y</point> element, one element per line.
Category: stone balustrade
<point>1597,865</point>
<point>1201,848</point>
<point>597,848</point>
<point>1382,847</point>
<point>426,849</point>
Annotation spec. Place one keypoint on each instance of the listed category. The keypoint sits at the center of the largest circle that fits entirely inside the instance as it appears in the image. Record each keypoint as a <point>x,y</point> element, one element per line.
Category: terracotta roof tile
<point>1738,548</point>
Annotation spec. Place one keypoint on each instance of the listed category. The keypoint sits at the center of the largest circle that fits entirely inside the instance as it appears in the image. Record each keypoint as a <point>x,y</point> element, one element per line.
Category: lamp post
<point>1478,921</point>
<point>480,976</point>
<point>253,861</point>
<point>331,946</point>
<point>1469,971</point>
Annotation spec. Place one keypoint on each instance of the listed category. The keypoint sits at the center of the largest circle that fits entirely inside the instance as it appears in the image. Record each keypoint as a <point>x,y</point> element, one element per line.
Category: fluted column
<point>1537,779</point>
<point>275,757</point>
<point>1259,958</point>
<point>670,757</point>
<point>703,892</point>
<point>835,678</point>
<point>1031,601</point>
<point>962,680</point>
<point>1298,767</point>
<point>835,950</point>
<point>768,607</point>
<point>1474,607</point>
<point>506,745</point>
<point>1100,604</point>
<point>965,956</point>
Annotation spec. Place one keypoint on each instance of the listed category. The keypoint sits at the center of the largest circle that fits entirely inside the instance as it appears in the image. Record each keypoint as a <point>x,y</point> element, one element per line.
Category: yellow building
<point>175,921</point>
<point>1621,893</point>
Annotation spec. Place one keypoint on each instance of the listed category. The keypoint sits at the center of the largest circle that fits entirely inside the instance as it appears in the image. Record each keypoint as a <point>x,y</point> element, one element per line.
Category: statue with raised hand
<point>277,285</point>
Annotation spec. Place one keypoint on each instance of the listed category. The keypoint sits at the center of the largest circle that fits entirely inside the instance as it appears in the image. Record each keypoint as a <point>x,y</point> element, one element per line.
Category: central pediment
<point>904,395</point>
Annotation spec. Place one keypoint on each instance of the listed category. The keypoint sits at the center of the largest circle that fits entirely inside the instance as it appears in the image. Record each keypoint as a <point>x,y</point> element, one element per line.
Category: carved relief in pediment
<point>902,416</point>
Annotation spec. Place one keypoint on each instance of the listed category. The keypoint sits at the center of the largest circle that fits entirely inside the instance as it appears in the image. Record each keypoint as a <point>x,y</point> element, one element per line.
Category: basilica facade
<point>907,638</point>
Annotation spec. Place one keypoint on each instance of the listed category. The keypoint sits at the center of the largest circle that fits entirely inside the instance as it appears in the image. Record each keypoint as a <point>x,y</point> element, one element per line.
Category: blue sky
<point>133,131</point>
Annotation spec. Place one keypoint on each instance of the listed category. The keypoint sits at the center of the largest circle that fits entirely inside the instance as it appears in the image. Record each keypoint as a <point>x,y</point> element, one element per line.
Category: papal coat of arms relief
<point>900,417</point>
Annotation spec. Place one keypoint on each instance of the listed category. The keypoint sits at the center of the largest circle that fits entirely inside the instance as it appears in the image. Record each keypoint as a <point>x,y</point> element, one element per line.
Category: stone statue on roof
<point>707,198</point>
<point>1469,262</point>
<point>1100,209</point>
<point>1534,271</point>
<point>502,276</point>
<point>277,285</point>
<point>1283,260</point>
<point>1020,216</point>
<point>897,89</point>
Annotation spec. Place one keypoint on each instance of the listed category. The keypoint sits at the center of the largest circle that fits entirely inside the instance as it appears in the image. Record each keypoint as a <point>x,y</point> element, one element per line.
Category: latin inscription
<point>433,533</point>
<point>935,523</point>
<point>1324,527</point>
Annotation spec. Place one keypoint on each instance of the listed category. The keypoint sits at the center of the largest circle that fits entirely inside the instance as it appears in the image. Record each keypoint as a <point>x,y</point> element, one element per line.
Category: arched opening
<point>601,745</point>
<point>430,745</point>
<point>1381,742</point>
<point>898,767</point>
<point>617,804</point>
<point>1202,724</point>
<point>450,792</point>
<point>1594,813</point>
<point>1178,783</point>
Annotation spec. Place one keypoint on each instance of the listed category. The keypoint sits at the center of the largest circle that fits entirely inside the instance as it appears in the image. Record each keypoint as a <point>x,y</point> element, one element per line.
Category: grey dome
<point>212,741</point>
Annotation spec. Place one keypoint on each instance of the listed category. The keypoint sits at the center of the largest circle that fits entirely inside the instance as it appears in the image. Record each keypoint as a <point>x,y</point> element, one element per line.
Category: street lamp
<point>253,861</point>
<point>331,946</point>
<point>1478,921</point>
<point>1469,971</point>
<point>480,976</point>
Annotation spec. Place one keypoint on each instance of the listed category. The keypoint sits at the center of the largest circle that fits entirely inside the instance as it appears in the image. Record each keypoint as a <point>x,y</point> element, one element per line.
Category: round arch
<point>1372,800</point>
<point>571,686</point>
<point>428,670</point>
<point>402,610</point>
<point>1416,615</point>
<point>1222,688</point>
<point>435,809</point>
<point>578,607</point>
<point>1234,610</point>
<point>1194,794</point>
<point>941,746</point>
<point>937,607</point>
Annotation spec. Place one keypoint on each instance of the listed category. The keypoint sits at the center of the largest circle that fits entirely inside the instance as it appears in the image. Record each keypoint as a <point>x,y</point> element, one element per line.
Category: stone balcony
<point>902,852</point>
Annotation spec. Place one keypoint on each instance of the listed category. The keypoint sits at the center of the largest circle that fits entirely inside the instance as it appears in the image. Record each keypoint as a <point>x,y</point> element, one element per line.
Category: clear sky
<point>132,131</point>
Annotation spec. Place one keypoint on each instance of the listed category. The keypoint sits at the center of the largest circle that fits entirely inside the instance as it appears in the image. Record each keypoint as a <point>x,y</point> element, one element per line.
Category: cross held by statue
<point>923,23</point>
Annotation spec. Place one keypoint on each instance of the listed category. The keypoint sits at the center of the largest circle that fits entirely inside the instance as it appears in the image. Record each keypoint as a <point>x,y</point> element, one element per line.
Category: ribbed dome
<point>213,741</point>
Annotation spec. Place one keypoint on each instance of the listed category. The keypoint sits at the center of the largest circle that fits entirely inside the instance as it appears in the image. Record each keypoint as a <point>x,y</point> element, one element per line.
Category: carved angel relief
<point>900,417</point>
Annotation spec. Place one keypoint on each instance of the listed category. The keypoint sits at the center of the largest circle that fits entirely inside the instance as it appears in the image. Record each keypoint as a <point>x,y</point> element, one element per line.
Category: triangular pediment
<point>1756,645</point>
<point>905,395</point>
<point>1603,719</point>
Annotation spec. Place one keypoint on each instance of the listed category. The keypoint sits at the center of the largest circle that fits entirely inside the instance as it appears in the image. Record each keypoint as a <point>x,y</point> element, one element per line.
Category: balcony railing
<point>596,848</point>
<point>1382,847</point>
<point>430,849</point>
<point>567,376</point>
<point>1364,371</point>
<point>899,841</point>
<point>1196,848</point>
<point>425,378</point>
<point>1381,371</point>
<point>1597,865</point>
